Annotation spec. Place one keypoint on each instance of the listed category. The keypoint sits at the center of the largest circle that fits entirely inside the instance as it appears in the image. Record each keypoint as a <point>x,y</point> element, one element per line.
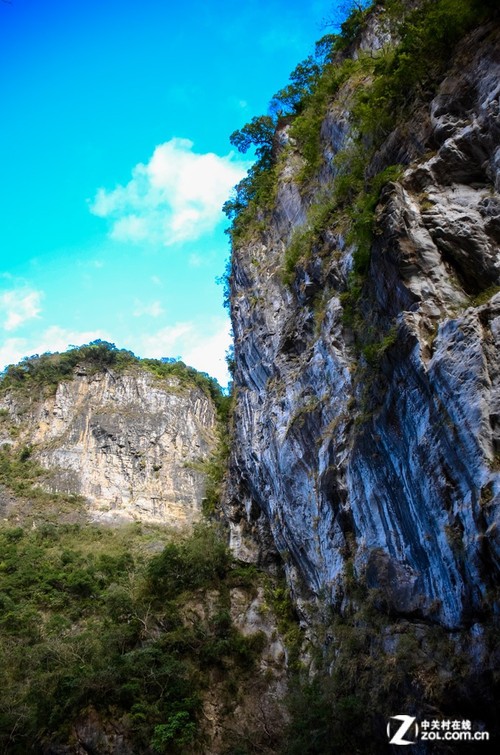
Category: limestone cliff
<point>132,444</point>
<point>167,644</point>
<point>368,401</point>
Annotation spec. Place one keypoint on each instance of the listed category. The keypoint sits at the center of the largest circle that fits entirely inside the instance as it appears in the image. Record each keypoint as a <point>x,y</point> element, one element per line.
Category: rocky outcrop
<point>385,458</point>
<point>248,708</point>
<point>132,444</point>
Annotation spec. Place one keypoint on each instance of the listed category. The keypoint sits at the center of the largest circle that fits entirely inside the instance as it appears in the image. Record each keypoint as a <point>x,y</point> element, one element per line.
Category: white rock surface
<point>133,445</point>
<point>393,469</point>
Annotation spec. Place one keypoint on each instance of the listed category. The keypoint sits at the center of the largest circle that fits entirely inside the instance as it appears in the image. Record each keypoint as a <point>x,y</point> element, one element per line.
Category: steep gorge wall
<point>387,458</point>
<point>134,446</point>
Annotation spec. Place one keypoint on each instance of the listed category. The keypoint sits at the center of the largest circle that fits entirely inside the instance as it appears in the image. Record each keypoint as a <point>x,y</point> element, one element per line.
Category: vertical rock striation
<point>385,457</point>
<point>132,444</point>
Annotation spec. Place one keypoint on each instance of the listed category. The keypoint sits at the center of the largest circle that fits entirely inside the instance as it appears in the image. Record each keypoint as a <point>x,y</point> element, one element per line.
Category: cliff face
<point>384,457</point>
<point>148,627</point>
<point>133,445</point>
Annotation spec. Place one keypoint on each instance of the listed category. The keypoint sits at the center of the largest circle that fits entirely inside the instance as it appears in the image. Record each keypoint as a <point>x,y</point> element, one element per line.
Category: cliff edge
<point>132,443</point>
<point>366,311</point>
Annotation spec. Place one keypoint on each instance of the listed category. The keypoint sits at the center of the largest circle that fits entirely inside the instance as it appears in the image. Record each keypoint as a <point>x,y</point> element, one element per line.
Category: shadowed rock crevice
<point>366,421</point>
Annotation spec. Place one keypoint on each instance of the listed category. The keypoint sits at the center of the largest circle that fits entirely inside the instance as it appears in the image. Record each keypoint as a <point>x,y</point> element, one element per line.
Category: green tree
<point>294,97</point>
<point>258,133</point>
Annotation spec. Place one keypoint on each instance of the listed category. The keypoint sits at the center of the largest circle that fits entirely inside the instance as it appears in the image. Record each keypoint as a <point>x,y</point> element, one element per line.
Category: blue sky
<point>116,160</point>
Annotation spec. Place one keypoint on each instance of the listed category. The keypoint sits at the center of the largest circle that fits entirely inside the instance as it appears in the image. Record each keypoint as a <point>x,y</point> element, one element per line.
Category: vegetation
<point>485,296</point>
<point>134,625</point>
<point>44,372</point>
<point>352,26</point>
<point>22,476</point>
<point>92,620</point>
<point>49,369</point>
<point>384,89</point>
<point>279,599</point>
<point>373,351</point>
<point>215,468</point>
<point>257,191</point>
<point>125,627</point>
<point>372,664</point>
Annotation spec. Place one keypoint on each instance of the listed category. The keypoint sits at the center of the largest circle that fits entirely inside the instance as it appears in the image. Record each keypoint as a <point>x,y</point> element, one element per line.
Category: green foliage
<point>308,237</point>
<point>258,186</point>
<point>215,469</point>
<point>353,25</point>
<point>370,665</point>
<point>46,371</point>
<point>224,280</point>
<point>89,618</point>
<point>251,197</point>
<point>166,368</point>
<point>410,72</point>
<point>361,215</point>
<point>180,729</point>
<point>259,134</point>
<point>299,248</point>
<point>49,369</point>
<point>293,98</point>
<point>485,296</point>
<point>188,565</point>
<point>306,127</point>
<point>257,191</point>
<point>373,352</point>
<point>352,203</point>
<point>278,597</point>
<point>319,726</point>
<point>20,474</point>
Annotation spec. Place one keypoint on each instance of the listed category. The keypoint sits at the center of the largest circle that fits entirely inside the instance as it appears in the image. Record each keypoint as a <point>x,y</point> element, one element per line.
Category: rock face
<point>387,460</point>
<point>133,445</point>
<point>256,712</point>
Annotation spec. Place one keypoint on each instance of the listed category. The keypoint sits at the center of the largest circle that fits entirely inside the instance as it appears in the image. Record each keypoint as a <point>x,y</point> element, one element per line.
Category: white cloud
<point>200,345</point>
<point>208,353</point>
<point>56,338</point>
<point>52,339</point>
<point>164,342</point>
<point>18,306</point>
<point>152,309</point>
<point>176,196</point>
<point>12,351</point>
